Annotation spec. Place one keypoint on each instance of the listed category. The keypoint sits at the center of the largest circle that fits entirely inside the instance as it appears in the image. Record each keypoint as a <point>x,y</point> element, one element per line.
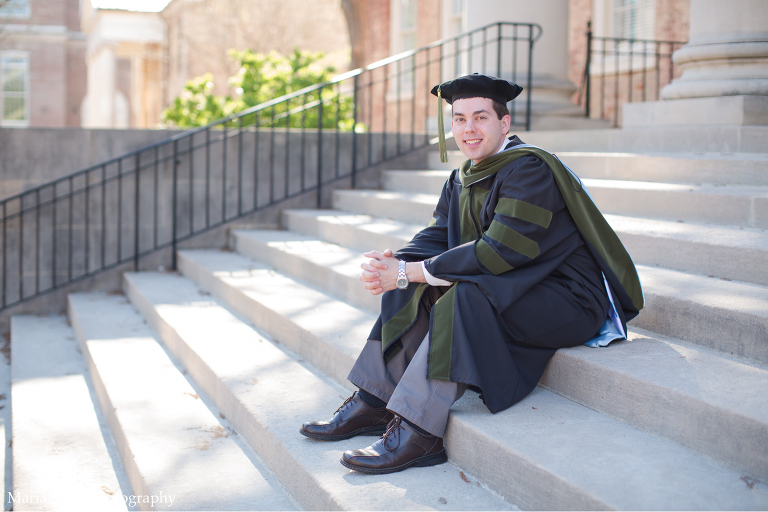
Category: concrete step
<point>411,207</point>
<point>732,253</point>
<point>515,440</point>
<point>713,404</point>
<point>727,316</point>
<point>268,393</point>
<point>728,252</point>
<point>721,168</point>
<point>422,182</point>
<point>62,459</point>
<point>176,451</point>
<point>293,314</point>
<point>669,139</point>
<point>727,205</point>
<point>356,231</point>
<point>328,267</point>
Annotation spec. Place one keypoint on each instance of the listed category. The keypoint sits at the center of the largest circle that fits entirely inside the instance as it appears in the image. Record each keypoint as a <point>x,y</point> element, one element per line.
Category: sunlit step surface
<point>62,459</point>
<point>617,380</point>
<point>731,253</point>
<point>170,442</point>
<point>685,167</point>
<point>267,394</point>
<point>727,205</point>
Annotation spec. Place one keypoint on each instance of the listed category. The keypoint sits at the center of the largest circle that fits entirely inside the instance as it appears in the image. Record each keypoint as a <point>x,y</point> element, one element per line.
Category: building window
<point>403,30</point>
<point>14,9</point>
<point>456,17</point>
<point>14,89</point>
<point>634,19</point>
<point>407,24</point>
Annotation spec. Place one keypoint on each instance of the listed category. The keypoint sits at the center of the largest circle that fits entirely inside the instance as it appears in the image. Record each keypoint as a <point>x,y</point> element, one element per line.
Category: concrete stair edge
<point>316,481</point>
<point>693,167</point>
<point>53,411</point>
<point>460,427</point>
<point>210,468</point>
<point>717,251</point>
<point>729,205</point>
<point>703,319</point>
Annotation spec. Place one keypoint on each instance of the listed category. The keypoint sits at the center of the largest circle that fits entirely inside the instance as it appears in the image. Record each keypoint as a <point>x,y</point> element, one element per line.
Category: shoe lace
<point>342,406</point>
<point>392,427</point>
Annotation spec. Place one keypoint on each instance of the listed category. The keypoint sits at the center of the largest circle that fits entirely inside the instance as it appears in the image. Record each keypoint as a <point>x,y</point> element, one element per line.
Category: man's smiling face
<point>477,128</point>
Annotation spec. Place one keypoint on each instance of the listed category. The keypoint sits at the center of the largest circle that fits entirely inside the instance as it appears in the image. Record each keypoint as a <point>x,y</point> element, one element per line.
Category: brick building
<point>42,63</point>
<point>140,54</point>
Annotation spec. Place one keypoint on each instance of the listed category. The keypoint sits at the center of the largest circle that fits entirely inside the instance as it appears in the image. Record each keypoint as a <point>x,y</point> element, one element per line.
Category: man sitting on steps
<point>516,263</point>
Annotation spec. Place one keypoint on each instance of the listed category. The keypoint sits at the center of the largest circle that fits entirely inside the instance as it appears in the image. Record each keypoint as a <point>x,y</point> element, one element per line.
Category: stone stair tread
<point>320,264</point>
<point>705,234</point>
<point>171,443</point>
<point>267,394</point>
<point>676,390</point>
<point>647,382</point>
<point>53,413</point>
<point>693,166</point>
<point>294,314</point>
<point>500,434</point>
<point>706,249</point>
<point>707,291</point>
<point>416,197</point>
<point>682,155</point>
<point>708,234</point>
<point>752,191</point>
<point>756,191</point>
<point>727,205</point>
<point>358,231</point>
<point>729,316</point>
<point>599,462</point>
<point>711,292</point>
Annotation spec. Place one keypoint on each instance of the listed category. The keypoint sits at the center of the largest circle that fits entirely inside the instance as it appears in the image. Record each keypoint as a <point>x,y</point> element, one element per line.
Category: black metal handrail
<point>149,200</point>
<point>644,65</point>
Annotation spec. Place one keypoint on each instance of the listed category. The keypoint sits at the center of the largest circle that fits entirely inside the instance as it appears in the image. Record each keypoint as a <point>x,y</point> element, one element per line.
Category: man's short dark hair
<point>500,109</point>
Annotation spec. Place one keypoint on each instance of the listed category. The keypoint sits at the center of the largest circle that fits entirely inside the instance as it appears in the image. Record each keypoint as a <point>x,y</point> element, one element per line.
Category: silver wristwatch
<point>402,279</point>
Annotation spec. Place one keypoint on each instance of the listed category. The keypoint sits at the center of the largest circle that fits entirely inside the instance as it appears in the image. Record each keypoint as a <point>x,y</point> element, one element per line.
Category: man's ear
<point>505,124</point>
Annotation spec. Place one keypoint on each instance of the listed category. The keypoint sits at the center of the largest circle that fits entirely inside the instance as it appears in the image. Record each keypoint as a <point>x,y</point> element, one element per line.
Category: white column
<point>552,90</point>
<point>724,79</point>
<point>727,54</point>
<point>101,89</point>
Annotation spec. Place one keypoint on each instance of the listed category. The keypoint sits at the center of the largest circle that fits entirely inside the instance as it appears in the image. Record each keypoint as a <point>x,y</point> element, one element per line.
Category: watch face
<point>402,283</point>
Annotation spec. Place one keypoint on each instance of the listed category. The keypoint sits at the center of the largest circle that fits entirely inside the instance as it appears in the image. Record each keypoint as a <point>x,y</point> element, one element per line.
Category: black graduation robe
<point>497,234</point>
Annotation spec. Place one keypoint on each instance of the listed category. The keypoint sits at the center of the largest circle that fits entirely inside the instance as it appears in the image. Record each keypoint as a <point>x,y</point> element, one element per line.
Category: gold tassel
<point>441,128</point>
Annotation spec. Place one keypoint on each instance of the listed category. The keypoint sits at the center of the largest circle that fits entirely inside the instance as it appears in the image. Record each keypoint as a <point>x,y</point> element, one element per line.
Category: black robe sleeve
<point>518,225</point>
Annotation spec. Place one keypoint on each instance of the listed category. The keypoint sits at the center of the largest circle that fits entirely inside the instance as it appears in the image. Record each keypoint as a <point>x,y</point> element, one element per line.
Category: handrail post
<point>498,53</point>
<point>319,148</point>
<point>354,131</point>
<point>173,203</point>
<point>136,219</point>
<point>530,80</point>
<point>587,76</point>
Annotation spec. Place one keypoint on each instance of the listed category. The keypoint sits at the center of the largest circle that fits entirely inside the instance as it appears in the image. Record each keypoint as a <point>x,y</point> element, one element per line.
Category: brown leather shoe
<point>353,418</point>
<point>400,447</point>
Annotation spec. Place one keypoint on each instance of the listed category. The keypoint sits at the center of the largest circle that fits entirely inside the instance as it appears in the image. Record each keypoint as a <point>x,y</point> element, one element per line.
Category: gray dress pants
<point>402,381</point>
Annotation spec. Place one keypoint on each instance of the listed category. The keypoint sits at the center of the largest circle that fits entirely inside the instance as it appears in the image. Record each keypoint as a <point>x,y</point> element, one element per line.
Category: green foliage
<point>261,78</point>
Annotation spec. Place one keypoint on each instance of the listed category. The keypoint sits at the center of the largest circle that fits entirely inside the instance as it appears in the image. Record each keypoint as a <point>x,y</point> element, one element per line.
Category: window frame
<point>12,14</point>
<point>9,123</point>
